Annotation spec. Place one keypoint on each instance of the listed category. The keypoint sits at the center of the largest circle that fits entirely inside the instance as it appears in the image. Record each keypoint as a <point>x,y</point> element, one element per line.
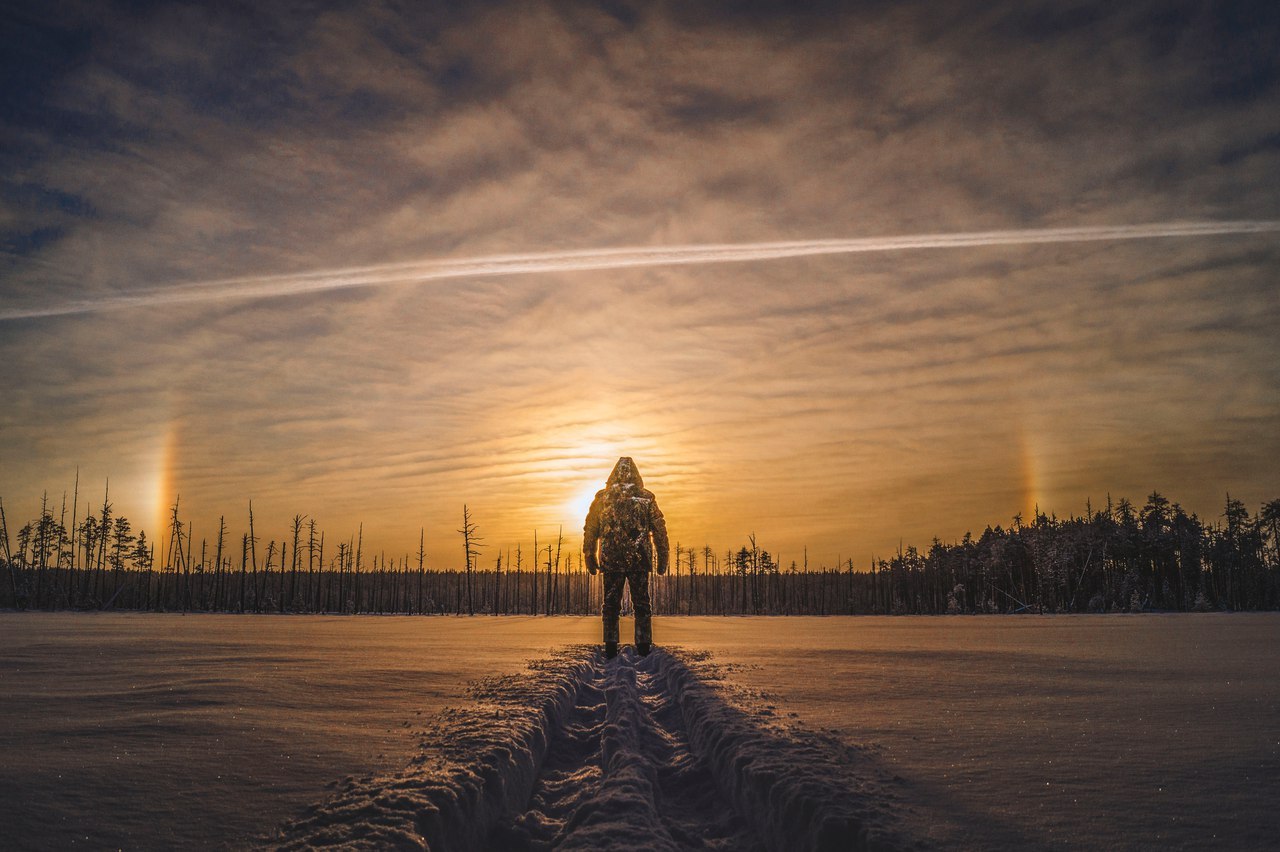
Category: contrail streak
<point>417,272</point>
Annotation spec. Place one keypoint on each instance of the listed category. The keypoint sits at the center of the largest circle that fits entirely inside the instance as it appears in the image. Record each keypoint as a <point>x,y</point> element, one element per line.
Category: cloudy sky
<point>845,402</point>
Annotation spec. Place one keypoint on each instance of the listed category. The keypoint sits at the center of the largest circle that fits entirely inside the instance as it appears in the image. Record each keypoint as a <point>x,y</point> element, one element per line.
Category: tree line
<point>1118,558</point>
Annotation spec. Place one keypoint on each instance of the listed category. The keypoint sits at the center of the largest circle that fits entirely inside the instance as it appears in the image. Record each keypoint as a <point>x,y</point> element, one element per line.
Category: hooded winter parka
<point>625,531</point>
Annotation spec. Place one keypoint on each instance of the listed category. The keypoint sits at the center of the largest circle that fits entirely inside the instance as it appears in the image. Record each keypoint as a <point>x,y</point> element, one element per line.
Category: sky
<point>223,225</point>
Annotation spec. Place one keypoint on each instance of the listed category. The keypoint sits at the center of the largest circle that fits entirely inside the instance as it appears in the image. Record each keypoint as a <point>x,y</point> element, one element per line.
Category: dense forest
<point>1119,558</point>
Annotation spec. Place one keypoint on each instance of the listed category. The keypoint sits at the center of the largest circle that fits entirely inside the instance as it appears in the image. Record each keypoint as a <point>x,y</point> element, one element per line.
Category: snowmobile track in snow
<point>631,753</point>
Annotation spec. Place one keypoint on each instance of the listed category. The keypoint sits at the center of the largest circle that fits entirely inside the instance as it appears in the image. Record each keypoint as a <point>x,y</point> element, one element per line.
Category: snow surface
<point>1068,732</point>
<point>150,731</point>
<point>635,753</point>
<point>132,730</point>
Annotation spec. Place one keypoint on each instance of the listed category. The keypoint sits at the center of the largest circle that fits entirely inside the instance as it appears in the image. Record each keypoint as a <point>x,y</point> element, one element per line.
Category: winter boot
<point>610,650</point>
<point>642,648</point>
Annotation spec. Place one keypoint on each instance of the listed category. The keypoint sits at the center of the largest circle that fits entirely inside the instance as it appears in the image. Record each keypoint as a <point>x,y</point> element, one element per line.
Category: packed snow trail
<point>621,775</point>
<point>632,753</point>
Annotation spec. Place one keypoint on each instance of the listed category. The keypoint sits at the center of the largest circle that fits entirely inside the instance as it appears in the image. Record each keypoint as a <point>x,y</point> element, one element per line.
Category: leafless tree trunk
<point>293,571</point>
<point>470,546</point>
<point>422,555</point>
<point>253,551</point>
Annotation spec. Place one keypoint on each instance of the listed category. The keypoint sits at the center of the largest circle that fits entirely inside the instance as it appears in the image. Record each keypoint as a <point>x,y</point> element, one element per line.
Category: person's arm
<point>661,545</point>
<point>591,536</point>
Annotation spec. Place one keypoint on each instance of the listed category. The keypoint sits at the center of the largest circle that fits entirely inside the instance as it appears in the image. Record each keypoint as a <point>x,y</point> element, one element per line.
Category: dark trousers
<point>639,582</point>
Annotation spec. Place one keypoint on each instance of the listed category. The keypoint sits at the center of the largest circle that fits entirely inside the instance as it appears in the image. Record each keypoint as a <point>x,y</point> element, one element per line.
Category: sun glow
<point>161,494</point>
<point>582,472</point>
<point>1031,472</point>
<point>585,476</point>
<point>581,502</point>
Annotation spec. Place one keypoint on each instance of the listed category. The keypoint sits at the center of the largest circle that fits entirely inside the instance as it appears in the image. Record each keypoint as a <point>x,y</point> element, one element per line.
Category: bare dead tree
<point>548,583</point>
<point>533,571</point>
<point>320,567</point>
<point>343,547</point>
<point>186,569</point>
<point>293,571</point>
<point>471,543</point>
<point>264,591</point>
<point>357,566</point>
<point>71,567</point>
<point>553,596</point>
<point>497,585</point>
<point>218,576</point>
<point>311,561</point>
<point>253,552</point>
<point>519,560</point>
<point>8,554</point>
<point>422,555</point>
<point>244,558</point>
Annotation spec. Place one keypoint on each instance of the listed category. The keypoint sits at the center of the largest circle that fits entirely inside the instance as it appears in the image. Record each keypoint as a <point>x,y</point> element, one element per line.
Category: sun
<point>580,503</point>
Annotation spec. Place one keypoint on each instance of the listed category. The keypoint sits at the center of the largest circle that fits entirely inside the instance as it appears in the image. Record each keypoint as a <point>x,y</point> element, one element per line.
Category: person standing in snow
<point>624,536</point>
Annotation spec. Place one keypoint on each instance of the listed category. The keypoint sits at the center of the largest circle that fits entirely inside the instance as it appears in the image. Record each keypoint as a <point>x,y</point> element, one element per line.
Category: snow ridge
<point>800,790</point>
<point>632,753</point>
<point>477,765</point>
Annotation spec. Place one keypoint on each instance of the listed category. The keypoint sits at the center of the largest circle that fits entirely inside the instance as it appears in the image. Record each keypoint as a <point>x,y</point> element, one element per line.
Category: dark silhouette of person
<point>624,535</point>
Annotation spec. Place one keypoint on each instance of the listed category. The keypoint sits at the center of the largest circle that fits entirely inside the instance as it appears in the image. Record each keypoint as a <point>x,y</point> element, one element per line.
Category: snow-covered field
<point>151,731</point>
<point>1144,731</point>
